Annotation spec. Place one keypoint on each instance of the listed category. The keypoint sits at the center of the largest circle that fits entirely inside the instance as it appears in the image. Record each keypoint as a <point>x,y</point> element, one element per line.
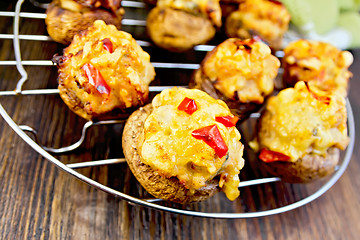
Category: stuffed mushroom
<point>301,133</point>
<point>184,147</point>
<point>104,73</point>
<point>239,72</point>
<point>179,25</point>
<point>227,6</point>
<point>268,19</point>
<point>320,64</point>
<point>64,18</point>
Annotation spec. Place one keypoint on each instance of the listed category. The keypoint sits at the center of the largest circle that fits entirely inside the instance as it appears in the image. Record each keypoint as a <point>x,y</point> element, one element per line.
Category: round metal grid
<point>69,168</point>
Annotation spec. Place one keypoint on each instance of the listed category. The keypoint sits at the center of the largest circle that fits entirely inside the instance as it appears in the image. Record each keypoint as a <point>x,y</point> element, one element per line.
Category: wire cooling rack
<point>47,152</point>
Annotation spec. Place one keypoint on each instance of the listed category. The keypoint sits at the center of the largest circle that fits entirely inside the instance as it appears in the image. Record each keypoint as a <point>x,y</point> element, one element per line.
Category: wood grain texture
<point>39,201</point>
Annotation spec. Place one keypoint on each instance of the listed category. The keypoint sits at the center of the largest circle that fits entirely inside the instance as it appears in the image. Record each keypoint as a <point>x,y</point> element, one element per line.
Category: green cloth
<point>349,5</point>
<point>334,21</point>
<point>346,4</point>
<point>323,14</point>
<point>351,22</point>
<point>299,10</point>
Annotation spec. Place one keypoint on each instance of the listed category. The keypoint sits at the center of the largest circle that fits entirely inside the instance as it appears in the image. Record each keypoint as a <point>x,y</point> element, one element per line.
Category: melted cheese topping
<point>263,17</point>
<point>127,70</point>
<point>72,5</point>
<point>243,70</point>
<point>300,124</point>
<point>169,147</point>
<point>88,5</point>
<point>207,8</point>
<point>321,64</point>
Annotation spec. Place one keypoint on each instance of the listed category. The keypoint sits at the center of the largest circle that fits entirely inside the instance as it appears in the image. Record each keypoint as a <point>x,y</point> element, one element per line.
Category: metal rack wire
<point>45,151</point>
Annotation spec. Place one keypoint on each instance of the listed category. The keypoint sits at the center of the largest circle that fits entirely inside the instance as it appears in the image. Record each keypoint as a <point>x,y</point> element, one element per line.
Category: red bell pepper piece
<point>268,156</point>
<point>228,121</point>
<point>188,105</point>
<point>95,79</point>
<point>108,45</point>
<point>212,137</point>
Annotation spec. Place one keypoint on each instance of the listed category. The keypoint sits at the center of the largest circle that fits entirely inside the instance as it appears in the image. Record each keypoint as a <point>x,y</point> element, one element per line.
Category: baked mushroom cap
<point>320,64</point>
<point>178,25</point>
<point>227,6</point>
<point>177,30</point>
<point>112,5</point>
<point>169,189</point>
<point>63,23</point>
<point>184,147</point>
<point>267,19</point>
<point>208,9</point>
<point>239,72</point>
<point>104,73</point>
<point>306,169</point>
<point>300,133</point>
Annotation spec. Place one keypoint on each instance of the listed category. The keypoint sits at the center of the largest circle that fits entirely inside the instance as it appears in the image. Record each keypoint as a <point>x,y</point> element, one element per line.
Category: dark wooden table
<point>40,201</point>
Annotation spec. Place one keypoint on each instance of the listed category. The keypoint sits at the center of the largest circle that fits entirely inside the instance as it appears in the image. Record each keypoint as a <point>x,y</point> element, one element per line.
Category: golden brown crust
<point>112,5</point>
<point>242,110</point>
<point>239,72</point>
<point>77,106</point>
<point>318,63</point>
<point>98,83</point>
<point>304,170</point>
<point>63,24</point>
<point>227,6</point>
<point>169,189</point>
<point>266,19</point>
<point>176,30</point>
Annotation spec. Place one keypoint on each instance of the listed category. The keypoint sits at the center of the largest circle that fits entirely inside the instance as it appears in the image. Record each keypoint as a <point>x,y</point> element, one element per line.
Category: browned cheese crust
<point>320,64</point>
<point>242,110</point>
<point>118,81</point>
<point>176,30</point>
<point>169,189</point>
<point>62,24</point>
<point>227,6</point>
<point>113,5</point>
<point>256,71</point>
<point>305,169</point>
<point>266,19</point>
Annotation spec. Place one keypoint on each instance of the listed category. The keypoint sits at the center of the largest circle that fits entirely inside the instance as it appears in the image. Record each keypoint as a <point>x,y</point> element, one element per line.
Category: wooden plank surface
<point>40,201</point>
